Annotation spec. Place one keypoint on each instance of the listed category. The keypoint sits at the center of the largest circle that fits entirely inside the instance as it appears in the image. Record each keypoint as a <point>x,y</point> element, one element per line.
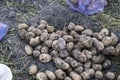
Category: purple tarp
<point>88,7</point>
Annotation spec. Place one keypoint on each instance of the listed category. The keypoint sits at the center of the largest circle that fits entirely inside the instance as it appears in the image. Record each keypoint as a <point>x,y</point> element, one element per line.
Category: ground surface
<point>58,14</point>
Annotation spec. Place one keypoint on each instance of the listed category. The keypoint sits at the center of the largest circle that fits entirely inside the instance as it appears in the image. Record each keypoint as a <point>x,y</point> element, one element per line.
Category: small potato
<point>61,44</point>
<point>114,38</point>
<point>109,50</point>
<point>32,29</point>
<point>106,64</point>
<point>54,53</point>
<point>97,67</point>
<point>43,22</point>
<point>38,47</point>
<point>35,41</point>
<point>63,53</point>
<point>30,35</point>
<point>54,36</point>
<point>88,54</point>
<point>50,75</point>
<point>87,32</point>
<point>98,59</point>
<point>45,58</point>
<point>36,53</point>
<point>44,50</point>
<point>71,61</point>
<point>71,26</point>
<point>110,75</point>
<point>75,76</point>
<point>107,41</point>
<point>87,65</point>
<point>32,69</point>
<point>44,37</point>
<point>117,50</point>
<point>104,32</point>
<point>61,63</point>
<point>68,38</point>
<point>67,78</point>
<point>79,69</point>
<point>28,49</point>
<point>22,34</point>
<point>79,28</point>
<point>98,44</point>
<point>97,36</point>
<point>73,33</point>
<point>38,32</point>
<point>50,29</point>
<point>41,76</point>
<point>60,74</point>
<point>74,1</point>
<point>22,26</point>
<point>70,46</point>
<point>118,78</point>
<point>99,75</point>
<point>55,45</point>
<point>48,43</point>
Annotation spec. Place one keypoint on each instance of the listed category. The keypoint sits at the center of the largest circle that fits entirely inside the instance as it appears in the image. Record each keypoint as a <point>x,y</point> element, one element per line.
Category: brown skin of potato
<point>114,38</point>
<point>88,54</point>
<point>98,59</point>
<point>32,69</point>
<point>79,28</point>
<point>106,64</point>
<point>117,50</point>
<point>35,41</point>
<point>98,44</point>
<point>75,76</point>
<point>73,33</point>
<point>110,75</point>
<point>97,35</point>
<point>61,63</point>
<point>61,44</point>
<point>50,29</point>
<point>71,61</point>
<point>38,32</point>
<point>55,45</point>
<point>107,41</point>
<point>87,32</point>
<point>41,76</point>
<point>60,74</point>
<point>48,43</point>
<point>50,75</point>
<point>68,38</point>
<point>110,50</point>
<point>104,32</point>
<point>44,37</point>
<point>71,26</point>
<point>97,67</point>
<point>70,46</point>
<point>45,58</point>
<point>99,75</point>
<point>44,50</point>
<point>28,49</point>
<point>64,53</point>
<point>36,53</point>
<point>22,26</point>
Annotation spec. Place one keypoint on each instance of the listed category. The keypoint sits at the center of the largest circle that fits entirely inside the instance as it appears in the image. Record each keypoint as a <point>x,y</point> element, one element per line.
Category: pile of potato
<point>78,53</point>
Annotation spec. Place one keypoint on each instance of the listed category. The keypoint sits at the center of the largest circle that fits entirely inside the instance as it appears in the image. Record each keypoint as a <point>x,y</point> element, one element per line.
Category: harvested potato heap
<point>78,53</point>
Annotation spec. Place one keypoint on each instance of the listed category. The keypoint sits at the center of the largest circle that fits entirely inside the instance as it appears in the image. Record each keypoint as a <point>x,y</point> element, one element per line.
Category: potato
<point>70,46</point>
<point>67,78</point>
<point>110,50</point>
<point>68,38</point>
<point>35,41</point>
<point>98,58</point>
<point>79,69</point>
<point>73,33</point>
<point>71,26</point>
<point>30,35</point>
<point>50,29</point>
<point>117,50</point>
<point>32,69</point>
<point>110,75</point>
<point>104,32</point>
<point>38,47</point>
<point>79,28</point>
<point>54,36</point>
<point>71,61</point>
<point>99,75</point>
<point>118,78</point>
<point>87,65</point>
<point>22,26</point>
<point>75,76</point>
<point>107,64</point>
<point>114,38</point>
<point>28,49</point>
<point>41,76</point>
<point>88,54</point>
<point>50,75</point>
<point>54,53</point>
<point>63,53</point>
<point>87,32</point>
<point>60,74</point>
<point>97,36</point>
<point>107,41</point>
<point>61,44</point>
<point>55,45</point>
<point>48,43</point>
<point>36,53</point>
<point>61,63</point>
<point>45,58</point>
<point>44,37</point>
<point>44,50</point>
<point>97,67</point>
<point>22,33</point>
<point>38,32</point>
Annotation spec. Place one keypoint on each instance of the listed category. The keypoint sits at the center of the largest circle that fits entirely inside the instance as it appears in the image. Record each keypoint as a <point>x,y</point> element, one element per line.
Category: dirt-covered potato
<point>50,75</point>
<point>67,78</point>
<point>44,50</point>
<point>38,32</point>
<point>79,28</point>
<point>54,36</point>
<point>86,41</point>
<point>87,32</point>
<point>35,41</point>
<point>79,55</point>
<point>61,44</point>
<point>73,33</point>
<point>114,38</point>
<point>64,53</point>
<point>44,37</point>
<point>79,69</point>
<point>55,45</point>
<point>117,50</point>
<point>97,36</point>
<point>118,78</point>
<point>104,32</point>
<point>70,46</point>
<point>106,64</point>
<point>61,63</point>
<point>36,53</point>
<point>54,53</point>
<point>107,41</point>
<point>97,67</point>
<point>71,61</point>
<point>88,54</point>
<point>110,50</point>
<point>45,58</point>
<point>33,69</point>
<point>98,58</point>
<point>68,38</point>
<point>75,76</point>
<point>110,75</point>
<point>99,75</point>
<point>98,44</point>
<point>41,76</point>
<point>23,26</point>
<point>28,49</point>
<point>87,65</point>
<point>22,34</point>
<point>48,43</point>
<point>50,29</point>
<point>38,47</point>
<point>71,26</point>
<point>30,35</point>
<point>60,74</point>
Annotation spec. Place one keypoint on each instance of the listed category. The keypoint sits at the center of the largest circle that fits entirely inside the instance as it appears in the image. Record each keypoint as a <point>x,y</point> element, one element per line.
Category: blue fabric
<point>3,30</point>
<point>88,7</point>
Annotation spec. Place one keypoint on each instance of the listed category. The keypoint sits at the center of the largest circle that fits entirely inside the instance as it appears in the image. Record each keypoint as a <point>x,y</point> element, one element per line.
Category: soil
<point>56,13</point>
